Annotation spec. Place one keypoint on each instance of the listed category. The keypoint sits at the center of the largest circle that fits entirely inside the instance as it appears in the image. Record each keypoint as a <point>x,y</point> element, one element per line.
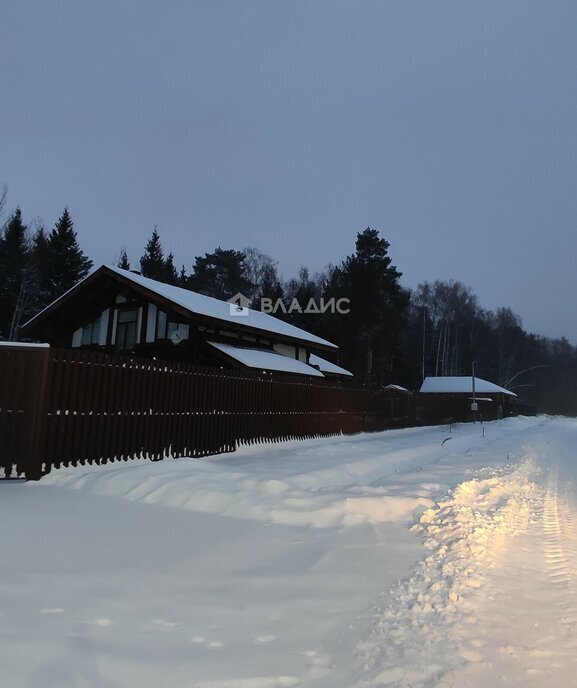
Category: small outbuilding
<point>460,398</point>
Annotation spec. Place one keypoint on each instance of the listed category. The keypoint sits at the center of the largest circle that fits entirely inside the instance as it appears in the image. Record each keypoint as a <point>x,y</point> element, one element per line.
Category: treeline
<point>36,267</point>
<point>385,333</point>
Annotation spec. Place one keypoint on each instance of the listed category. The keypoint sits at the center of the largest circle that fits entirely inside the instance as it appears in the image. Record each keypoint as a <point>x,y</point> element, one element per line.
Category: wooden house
<point>119,310</point>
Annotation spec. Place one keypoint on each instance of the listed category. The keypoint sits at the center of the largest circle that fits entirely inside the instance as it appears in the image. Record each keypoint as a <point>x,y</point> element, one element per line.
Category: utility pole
<point>474,402</point>
<point>424,336</point>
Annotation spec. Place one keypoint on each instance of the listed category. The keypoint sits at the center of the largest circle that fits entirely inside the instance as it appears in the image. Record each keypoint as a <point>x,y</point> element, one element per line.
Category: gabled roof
<point>193,303</point>
<point>398,388</point>
<point>461,385</point>
<point>266,360</point>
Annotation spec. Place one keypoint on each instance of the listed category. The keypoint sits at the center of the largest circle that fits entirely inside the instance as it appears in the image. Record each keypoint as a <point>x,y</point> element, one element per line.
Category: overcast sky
<point>451,127</point>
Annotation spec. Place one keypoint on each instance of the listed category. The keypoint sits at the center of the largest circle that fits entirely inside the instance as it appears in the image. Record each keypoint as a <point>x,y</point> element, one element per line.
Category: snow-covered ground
<point>429,557</point>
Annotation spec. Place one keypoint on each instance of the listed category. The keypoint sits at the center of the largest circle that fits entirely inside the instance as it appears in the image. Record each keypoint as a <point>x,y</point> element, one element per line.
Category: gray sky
<point>450,126</point>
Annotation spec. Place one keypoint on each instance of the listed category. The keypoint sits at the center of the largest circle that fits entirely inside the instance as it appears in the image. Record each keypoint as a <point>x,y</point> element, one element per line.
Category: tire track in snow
<point>526,625</point>
<point>431,626</point>
<point>560,548</point>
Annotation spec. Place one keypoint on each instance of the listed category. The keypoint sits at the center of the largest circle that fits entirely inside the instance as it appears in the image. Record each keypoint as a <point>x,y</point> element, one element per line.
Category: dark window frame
<point>164,331</point>
<point>91,332</point>
<point>126,330</point>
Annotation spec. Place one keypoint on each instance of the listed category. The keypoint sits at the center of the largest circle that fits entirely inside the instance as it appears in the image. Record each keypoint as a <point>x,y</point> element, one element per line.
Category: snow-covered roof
<point>327,366</point>
<point>199,304</point>
<point>398,388</point>
<point>461,385</point>
<point>266,360</point>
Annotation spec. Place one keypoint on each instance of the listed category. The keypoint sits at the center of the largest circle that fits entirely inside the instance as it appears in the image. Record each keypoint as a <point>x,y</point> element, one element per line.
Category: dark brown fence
<point>23,380</point>
<point>61,407</point>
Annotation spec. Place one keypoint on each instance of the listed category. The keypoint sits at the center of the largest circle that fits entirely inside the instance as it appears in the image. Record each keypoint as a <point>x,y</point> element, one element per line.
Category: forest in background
<point>390,334</point>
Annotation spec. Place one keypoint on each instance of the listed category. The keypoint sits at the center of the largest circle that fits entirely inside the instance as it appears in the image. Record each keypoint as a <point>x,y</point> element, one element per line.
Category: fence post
<point>38,421</point>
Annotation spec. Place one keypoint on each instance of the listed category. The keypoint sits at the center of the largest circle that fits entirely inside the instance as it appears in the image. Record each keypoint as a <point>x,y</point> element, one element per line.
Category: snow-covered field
<point>429,557</point>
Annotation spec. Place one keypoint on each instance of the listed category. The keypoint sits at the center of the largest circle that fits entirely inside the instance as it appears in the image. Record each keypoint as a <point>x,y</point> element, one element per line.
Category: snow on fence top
<point>461,385</point>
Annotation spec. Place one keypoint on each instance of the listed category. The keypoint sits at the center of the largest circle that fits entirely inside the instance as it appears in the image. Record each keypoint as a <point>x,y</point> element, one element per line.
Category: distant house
<point>398,388</point>
<point>119,310</point>
<point>452,397</point>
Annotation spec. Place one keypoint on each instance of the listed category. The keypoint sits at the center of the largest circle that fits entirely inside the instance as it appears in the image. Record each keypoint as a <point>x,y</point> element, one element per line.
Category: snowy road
<point>527,611</point>
<point>413,559</point>
<point>496,600</point>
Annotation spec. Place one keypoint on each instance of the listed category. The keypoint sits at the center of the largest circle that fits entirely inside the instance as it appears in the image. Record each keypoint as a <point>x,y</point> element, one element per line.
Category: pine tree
<point>169,274</point>
<point>66,264</point>
<point>152,262</point>
<point>377,307</point>
<point>123,262</point>
<point>41,270</point>
<point>220,274</point>
<point>15,271</point>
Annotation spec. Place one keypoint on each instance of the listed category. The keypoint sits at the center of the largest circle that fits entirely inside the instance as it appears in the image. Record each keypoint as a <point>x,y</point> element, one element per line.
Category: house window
<point>91,333</point>
<point>171,329</point>
<point>126,329</point>
<point>161,325</point>
<point>166,328</point>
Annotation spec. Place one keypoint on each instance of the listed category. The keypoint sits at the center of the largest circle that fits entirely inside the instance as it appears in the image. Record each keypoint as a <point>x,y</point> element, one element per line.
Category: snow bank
<point>140,587</point>
<point>320,483</point>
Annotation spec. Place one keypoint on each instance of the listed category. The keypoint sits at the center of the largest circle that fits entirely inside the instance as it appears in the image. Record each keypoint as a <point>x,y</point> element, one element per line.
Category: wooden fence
<point>61,407</point>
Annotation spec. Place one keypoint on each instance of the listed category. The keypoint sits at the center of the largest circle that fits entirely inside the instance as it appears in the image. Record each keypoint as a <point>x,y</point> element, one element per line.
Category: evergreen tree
<point>221,274</point>
<point>3,197</point>
<point>371,331</point>
<point>41,263</point>
<point>169,274</point>
<point>153,264</point>
<point>16,275</point>
<point>66,263</point>
<point>123,262</point>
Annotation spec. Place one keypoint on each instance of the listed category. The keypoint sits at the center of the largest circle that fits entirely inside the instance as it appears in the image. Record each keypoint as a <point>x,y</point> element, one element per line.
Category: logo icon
<point>238,305</point>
